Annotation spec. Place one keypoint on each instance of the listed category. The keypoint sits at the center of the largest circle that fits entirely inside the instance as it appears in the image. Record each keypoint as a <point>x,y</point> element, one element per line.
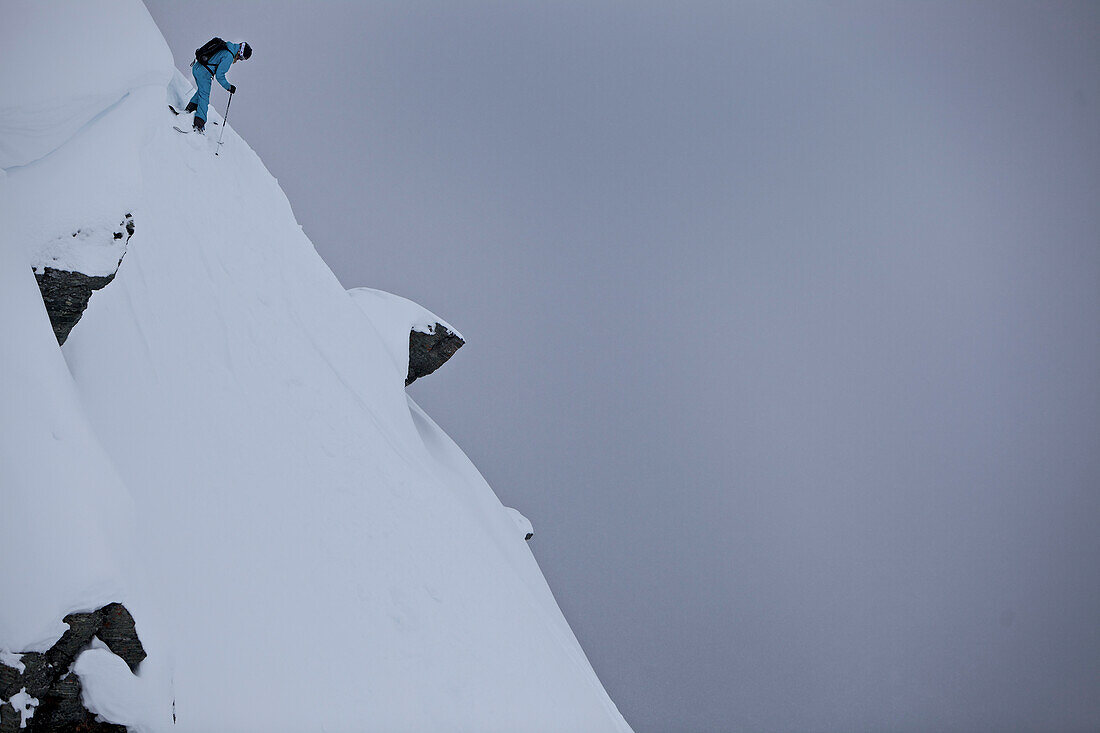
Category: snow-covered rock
<point>50,685</point>
<point>95,249</point>
<point>71,267</point>
<point>418,340</point>
<point>225,444</point>
<point>523,524</point>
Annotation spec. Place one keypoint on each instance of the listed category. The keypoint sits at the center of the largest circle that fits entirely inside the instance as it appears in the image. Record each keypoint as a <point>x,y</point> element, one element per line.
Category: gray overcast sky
<point>783,324</point>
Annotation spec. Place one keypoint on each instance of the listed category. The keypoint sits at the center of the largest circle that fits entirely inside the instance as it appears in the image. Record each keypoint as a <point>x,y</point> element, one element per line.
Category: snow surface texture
<point>225,444</point>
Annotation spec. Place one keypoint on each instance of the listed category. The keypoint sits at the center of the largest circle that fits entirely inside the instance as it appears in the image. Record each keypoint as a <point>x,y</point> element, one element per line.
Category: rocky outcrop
<point>429,351</point>
<point>66,291</point>
<point>431,341</point>
<point>66,295</point>
<point>39,691</point>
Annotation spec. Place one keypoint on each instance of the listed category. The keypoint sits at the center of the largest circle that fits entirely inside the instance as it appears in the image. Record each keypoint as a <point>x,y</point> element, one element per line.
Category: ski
<point>176,112</point>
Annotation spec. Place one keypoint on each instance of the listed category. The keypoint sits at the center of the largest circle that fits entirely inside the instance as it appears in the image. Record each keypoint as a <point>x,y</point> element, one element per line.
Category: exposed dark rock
<point>429,351</point>
<point>49,678</point>
<point>82,627</point>
<point>39,674</point>
<point>9,718</point>
<point>118,633</point>
<point>9,681</point>
<point>60,708</point>
<point>66,295</point>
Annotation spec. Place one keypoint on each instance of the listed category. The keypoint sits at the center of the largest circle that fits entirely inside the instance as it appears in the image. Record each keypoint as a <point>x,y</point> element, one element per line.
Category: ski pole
<point>225,121</point>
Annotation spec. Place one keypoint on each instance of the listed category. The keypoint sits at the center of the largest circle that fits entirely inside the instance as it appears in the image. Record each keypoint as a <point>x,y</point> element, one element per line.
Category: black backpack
<point>208,49</point>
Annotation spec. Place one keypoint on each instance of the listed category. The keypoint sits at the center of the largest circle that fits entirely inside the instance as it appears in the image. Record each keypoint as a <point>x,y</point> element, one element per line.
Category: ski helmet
<point>246,51</point>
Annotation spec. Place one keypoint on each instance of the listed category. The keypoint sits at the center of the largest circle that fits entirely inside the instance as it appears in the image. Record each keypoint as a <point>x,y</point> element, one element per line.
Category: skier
<point>206,68</point>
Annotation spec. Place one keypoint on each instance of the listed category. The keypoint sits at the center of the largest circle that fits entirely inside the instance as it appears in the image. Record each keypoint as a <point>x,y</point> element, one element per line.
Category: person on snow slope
<point>214,67</point>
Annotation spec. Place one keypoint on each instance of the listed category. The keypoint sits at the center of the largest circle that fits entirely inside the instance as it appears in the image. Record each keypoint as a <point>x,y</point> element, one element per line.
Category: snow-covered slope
<point>225,444</point>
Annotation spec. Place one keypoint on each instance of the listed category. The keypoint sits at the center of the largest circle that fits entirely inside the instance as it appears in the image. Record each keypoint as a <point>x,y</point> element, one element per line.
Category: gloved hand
<point>232,88</point>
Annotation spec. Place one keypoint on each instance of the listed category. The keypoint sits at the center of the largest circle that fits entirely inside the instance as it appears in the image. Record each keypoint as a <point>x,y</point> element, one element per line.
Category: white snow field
<point>225,445</point>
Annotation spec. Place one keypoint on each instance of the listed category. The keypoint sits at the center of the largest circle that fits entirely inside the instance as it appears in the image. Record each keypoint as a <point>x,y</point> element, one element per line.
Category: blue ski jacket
<point>220,62</point>
<point>215,68</point>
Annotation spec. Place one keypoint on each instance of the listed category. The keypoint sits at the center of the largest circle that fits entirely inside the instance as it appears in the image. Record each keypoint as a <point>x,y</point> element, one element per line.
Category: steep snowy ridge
<point>225,444</point>
<point>47,97</point>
